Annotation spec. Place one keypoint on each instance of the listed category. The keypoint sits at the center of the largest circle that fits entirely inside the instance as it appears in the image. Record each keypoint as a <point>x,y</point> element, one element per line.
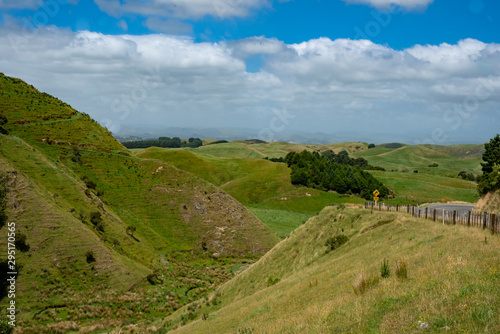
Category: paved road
<point>461,209</point>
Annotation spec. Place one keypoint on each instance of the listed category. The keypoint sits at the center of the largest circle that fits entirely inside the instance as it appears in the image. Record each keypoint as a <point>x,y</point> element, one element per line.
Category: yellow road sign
<point>376,193</point>
<point>375,198</point>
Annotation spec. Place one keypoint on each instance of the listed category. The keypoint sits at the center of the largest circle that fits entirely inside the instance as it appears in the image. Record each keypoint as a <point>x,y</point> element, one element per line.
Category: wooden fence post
<point>484,220</point>
<point>493,223</point>
<point>454,217</point>
<point>468,218</point>
<point>426,209</point>
<point>434,215</point>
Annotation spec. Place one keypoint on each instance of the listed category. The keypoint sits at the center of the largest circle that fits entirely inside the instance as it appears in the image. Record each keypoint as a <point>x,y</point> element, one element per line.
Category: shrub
<point>131,230</point>
<point>434,165</point>
<point>336,241</point>
<point>402,269</point>
<point>5,328</point>
<point>20,242</point>
<point>100,227</point>
<point>363,282</point>
<point>95,217</point>
<point>89,183</point>
<point>154,278</point>
<point>90,256</point>
<point>385,270</point>
<point>271,280</point>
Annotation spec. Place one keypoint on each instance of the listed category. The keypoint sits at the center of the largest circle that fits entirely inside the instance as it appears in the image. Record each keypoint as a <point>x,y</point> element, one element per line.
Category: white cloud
<point>183,8</point>
<point>329,85</point>
<point>168,26</point>
<point>407,4</point>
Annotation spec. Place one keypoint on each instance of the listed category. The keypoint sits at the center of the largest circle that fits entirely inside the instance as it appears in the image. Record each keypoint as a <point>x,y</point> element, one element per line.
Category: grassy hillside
<point>263,186</point>
<point>430,183</point>
<point>39,117</point>
<point>428,188</point>
<point>242,149</point>
<point>164,235</point>
<point>419,158</point>
<point>451,281</point>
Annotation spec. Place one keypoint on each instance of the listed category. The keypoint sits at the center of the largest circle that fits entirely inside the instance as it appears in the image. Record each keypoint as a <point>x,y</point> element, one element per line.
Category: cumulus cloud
<point>183,8</point>
<point>407,4</point>
<point>328,85</point>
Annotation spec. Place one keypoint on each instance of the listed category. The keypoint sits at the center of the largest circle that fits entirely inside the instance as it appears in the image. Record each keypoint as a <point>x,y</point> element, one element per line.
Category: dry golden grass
<point>453,281</point>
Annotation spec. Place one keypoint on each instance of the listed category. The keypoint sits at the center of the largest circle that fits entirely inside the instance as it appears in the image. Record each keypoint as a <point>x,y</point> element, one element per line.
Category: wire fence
<point>465,217</point>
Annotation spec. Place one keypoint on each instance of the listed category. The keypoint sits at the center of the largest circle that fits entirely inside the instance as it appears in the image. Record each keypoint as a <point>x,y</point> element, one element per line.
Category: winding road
<point>462,209</point>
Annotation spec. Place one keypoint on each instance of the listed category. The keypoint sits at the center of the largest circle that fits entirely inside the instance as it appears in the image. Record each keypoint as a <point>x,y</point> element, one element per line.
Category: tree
<point>371,146</point>
<point>490,182</point>
<point>491,155</point>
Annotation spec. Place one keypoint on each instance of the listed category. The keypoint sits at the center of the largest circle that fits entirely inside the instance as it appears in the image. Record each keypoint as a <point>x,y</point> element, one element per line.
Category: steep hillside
<point>106,222</point>
<point>447,280</point>
<point>489,203</point>
<point>39,117</point>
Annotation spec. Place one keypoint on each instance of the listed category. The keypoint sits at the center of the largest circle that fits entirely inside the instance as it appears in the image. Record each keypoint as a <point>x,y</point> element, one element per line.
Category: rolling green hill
<point>430,183</point>
<point>118,238</point>
<point>447,278</point>
<point>263,186</point>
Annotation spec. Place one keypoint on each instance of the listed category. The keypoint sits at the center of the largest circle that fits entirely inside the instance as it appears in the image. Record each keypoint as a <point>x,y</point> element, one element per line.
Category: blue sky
<point>335,66</point>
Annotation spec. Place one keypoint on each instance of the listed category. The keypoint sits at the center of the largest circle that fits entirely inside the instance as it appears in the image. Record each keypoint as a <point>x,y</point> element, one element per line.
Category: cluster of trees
<point>338,174</point>
<point>464,175</point>
<point>343,158</point>
<point>490,180</point>
<point>175,142</point>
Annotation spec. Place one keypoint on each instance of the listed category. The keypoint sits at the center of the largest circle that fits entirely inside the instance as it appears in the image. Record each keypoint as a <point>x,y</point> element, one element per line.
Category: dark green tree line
<point>168,142</point>
<point>322,172</point>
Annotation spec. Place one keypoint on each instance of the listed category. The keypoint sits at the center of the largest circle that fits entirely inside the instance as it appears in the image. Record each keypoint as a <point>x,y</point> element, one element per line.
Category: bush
<point>363,282</point>
<point>130,230</point>
<point>20,242</point>
<point>371,146</point>
<point>100,227</point>
<point>90,256</point>
<point>89,183</point>
<point>336,241</point>
<point>5,328</point>
<point>95,217</point>
<point>434,165</point>
<point>402,269</point>
<point>154,278</point>
<point>271,280</point>
<point>385,270</point>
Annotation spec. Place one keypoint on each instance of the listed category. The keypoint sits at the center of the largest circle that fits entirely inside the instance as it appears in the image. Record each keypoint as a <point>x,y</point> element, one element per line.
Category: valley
<point>217,238</point>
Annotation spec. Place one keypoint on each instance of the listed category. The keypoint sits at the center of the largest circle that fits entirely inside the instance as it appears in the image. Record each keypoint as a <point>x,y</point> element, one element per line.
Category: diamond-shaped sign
<point>376,193</point>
